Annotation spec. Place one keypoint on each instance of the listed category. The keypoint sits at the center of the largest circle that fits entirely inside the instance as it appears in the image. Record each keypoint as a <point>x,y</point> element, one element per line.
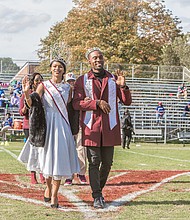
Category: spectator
<point>6,125</point>
<point>160,111</point>
<point>81,150</point>
<point>2,92</point>
<point>15,100</point>
<point>182,91</point>
<point>127,129</point>
<point>8,120</point>
<point>18,88</point>
<point>187,110</point>
<point>3,101</point>
<point>100,118</point>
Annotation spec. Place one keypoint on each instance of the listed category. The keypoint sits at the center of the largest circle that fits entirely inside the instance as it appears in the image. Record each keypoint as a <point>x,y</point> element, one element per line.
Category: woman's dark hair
<point>32,77</point>
<point>60,60</point>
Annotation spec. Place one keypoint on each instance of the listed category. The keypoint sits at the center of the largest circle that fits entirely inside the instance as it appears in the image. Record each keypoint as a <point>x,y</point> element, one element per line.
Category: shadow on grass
<point>143,182</point>
<point>176,202</point>
<point>131,183</point>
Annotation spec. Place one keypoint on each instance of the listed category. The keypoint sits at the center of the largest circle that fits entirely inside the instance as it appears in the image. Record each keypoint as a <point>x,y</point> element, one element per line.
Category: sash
<point>89,93</point>
<point>57,99</point>
<point>111,101</point>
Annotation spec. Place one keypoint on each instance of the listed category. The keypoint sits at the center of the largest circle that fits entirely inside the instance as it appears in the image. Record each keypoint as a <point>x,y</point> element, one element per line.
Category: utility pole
<point>1,66</point>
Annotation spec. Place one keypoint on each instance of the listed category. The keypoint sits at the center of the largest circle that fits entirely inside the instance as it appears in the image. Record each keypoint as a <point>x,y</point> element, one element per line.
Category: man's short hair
<point>89,51</point>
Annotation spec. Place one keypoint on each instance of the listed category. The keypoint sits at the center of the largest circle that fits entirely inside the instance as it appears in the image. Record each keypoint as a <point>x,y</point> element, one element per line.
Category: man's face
<point>96,61</point>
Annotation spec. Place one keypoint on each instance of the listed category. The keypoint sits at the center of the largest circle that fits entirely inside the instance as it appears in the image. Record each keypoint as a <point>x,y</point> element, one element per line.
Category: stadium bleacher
<point>146,93</point>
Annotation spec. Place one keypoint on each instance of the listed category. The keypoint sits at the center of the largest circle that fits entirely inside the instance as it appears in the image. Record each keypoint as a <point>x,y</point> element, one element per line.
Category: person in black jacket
<point>127,129</point>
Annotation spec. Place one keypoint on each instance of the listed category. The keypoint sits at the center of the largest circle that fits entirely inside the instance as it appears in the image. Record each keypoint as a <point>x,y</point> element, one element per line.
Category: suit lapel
<point>104,84</point>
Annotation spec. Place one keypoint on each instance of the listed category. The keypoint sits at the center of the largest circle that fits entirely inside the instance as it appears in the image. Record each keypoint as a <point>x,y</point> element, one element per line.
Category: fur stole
<point>37,122</point>
<point>73,116</point>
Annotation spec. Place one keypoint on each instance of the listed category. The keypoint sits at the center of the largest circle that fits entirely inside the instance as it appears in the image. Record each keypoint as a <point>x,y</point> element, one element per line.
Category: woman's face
<point>57,69</point>
<point>37,80</point>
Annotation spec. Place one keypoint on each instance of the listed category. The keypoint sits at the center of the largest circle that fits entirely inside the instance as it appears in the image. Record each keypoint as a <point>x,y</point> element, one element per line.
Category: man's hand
<point>104,106</point>
<point>121,78</point>
<point>86,99</point>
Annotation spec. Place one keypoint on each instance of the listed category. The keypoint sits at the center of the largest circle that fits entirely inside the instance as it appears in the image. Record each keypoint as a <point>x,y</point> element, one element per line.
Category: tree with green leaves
<point>177,53</point>
<point>7,65</point>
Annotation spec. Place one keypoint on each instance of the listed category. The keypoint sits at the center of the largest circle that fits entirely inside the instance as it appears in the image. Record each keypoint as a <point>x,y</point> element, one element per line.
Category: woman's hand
<point>25,85</point>
<point>26,90</point>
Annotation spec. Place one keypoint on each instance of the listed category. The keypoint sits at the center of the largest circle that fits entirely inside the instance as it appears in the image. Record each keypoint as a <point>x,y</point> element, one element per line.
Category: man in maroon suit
<point>100,118</point>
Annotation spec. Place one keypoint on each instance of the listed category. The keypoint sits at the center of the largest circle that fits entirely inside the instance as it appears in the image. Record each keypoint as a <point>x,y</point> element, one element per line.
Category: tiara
<point>60,60</point>
<point>92,50</point>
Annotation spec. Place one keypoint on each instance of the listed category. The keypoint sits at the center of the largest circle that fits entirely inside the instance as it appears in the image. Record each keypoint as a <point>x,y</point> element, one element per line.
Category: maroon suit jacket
<point>100,133</point>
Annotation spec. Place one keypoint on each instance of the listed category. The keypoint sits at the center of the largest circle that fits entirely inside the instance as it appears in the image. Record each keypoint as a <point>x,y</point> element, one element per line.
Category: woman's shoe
<point>54,203</point>
<point>46,199</point>
<point>33,179</point>
<point>42,179</point>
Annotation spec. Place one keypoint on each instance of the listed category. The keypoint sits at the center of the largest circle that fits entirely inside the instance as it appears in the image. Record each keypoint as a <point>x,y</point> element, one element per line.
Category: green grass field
<point>170,201</point>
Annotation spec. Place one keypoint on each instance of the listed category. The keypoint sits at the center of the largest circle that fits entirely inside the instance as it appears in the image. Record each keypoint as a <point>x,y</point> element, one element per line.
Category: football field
<point>148,181</point>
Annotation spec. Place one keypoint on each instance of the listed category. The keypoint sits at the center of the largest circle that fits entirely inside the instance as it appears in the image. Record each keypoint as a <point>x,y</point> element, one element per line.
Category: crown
<point>60,60</point>
<point>92,50</point>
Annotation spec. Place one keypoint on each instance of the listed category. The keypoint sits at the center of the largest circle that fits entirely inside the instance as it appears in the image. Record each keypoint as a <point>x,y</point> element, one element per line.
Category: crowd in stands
<point>12,98</point>
<point>181,93</point>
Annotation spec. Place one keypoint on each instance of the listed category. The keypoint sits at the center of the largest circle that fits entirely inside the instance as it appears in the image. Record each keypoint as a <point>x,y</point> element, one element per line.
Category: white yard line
<point>161,157</point>
<point>131,196</point>
<point>9,152</point>
<point>81,206</point>
<point>35,201</point>
<point>120,174</point>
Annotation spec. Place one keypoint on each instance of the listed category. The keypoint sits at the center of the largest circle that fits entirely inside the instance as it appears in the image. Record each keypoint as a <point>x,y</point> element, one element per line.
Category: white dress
<point>58,158</point>
<point>30,156</point>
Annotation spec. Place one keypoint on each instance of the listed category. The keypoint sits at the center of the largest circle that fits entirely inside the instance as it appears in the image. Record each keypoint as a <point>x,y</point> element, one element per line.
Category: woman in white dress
<point>58,157</point>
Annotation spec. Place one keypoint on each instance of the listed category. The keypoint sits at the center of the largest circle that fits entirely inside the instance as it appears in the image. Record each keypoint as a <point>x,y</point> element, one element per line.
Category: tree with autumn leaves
<point>127,31</point>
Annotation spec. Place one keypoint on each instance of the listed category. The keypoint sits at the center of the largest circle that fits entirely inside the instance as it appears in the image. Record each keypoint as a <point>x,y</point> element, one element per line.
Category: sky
<point>24,22</point>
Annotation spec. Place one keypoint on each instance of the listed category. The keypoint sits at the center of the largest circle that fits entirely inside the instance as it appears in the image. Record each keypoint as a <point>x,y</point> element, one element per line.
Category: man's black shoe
<point>99,203</point>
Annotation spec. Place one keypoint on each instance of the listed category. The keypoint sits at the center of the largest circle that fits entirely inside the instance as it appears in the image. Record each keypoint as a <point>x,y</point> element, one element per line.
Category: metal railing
<point>169,126</point>
<point>133,71</point>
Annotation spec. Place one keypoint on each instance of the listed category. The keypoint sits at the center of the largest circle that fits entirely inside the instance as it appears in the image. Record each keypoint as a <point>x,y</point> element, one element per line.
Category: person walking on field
<point>81,151</point>
<point>127,129</point>
<point>29,153</point>
<point>58,157</point>
<point>99,116</point>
